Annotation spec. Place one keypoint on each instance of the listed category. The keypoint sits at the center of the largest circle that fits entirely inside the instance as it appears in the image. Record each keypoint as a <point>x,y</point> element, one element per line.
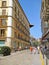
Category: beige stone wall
<point>18,24</point>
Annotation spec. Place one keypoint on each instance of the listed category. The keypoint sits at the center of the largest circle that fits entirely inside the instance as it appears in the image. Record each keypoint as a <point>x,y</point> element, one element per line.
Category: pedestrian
<point>38,49</point>
<point>34,50</point>
<point>19,48</point>
<point>31,49</point>
<point>45,49</point>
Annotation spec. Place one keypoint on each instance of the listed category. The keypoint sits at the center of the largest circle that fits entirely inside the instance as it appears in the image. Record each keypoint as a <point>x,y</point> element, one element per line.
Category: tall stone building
<point>14,25</point>
<point>45,20</point>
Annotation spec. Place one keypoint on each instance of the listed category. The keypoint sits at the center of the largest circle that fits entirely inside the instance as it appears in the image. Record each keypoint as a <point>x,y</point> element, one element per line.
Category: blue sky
<point>32,10</point>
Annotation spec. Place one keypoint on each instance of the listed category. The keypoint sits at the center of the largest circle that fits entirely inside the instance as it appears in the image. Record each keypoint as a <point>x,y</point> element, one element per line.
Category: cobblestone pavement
<point>21,58</point>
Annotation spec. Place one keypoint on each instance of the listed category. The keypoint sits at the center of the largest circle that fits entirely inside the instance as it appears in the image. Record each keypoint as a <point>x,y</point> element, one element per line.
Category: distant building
<point>45,21</point>
<point>14,25</point>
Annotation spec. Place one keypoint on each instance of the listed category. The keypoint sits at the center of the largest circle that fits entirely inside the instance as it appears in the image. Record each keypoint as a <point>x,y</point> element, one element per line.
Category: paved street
<point>21,58</point>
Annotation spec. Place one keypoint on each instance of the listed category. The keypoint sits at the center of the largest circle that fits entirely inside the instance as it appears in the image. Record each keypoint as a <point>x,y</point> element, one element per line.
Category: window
<point>15,9</point>
<point>42,6</point>
<point>46,24</point>
<point>4,22</point>
<point>2,32</point>
<point>15,34</point>
<point>17,12</point>
<point>0,22</point>
<point>20,16</point>
<point>3,3</point>
<point>48,2</point>
<point>3,12</point>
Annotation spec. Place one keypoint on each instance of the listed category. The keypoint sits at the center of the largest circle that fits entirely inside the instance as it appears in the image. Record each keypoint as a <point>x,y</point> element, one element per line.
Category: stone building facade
<point>45,20</point>
<point>14,25</point>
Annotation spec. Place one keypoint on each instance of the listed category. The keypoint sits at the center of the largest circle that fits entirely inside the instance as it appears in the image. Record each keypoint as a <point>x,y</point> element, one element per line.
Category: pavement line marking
<point>41,58</point>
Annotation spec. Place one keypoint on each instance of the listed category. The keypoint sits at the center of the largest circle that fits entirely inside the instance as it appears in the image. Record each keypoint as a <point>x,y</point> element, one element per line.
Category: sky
<point>32,10</point>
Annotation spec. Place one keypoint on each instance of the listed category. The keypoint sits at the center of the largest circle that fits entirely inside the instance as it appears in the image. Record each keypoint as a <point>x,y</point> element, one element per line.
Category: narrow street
<point>21,58</point>
<point>24,25</point>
